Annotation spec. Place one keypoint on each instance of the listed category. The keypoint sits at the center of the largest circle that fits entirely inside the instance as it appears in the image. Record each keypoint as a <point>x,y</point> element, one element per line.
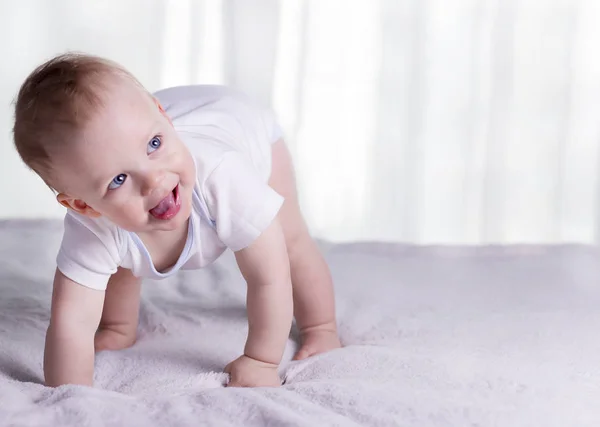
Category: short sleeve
<point>88,254</point>
<point>240,203</point>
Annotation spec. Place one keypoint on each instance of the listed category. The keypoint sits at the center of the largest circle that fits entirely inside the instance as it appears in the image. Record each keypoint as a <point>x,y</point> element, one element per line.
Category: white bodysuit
<point>230,140</point>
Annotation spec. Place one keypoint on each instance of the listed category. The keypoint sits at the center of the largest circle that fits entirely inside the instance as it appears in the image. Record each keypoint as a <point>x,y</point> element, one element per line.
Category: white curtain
<point>428,121</point>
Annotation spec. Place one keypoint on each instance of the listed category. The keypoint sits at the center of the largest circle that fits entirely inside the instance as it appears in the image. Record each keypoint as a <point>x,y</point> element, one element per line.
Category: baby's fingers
<point>236,381</point>
<point>232,383</point>
<point>239,384</point>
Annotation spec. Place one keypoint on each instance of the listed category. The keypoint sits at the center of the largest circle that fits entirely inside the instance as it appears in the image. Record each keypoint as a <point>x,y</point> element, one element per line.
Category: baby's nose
<point>151,182</point>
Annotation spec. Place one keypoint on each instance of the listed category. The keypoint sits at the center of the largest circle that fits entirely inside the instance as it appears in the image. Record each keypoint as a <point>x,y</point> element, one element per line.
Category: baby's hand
<point>247,372</point>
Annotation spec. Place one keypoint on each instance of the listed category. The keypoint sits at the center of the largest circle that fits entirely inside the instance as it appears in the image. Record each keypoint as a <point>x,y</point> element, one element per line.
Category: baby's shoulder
<point>83,231</point>
<point>91,250</point>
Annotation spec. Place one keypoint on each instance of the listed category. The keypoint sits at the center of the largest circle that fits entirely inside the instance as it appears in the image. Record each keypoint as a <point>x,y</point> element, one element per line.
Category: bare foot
<point>317,340</point>
<point>111,339</point>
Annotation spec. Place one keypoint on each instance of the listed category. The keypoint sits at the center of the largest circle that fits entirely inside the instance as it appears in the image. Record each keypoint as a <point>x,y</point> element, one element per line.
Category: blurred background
<point>425,121</point>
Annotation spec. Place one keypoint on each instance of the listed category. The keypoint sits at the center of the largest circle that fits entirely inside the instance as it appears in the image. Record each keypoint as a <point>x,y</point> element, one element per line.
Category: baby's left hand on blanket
<point>248,372</point>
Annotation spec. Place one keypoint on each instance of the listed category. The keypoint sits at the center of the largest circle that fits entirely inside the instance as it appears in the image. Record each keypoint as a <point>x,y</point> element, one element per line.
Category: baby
<point>155,184</point>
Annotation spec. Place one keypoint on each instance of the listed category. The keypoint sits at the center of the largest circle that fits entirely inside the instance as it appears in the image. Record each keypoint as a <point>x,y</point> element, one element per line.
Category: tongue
<point>163,206</point>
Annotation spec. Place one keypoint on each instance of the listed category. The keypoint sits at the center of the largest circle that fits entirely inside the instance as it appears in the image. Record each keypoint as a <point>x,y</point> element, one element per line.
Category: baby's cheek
<point>132,212</point>
<point>190,171</point>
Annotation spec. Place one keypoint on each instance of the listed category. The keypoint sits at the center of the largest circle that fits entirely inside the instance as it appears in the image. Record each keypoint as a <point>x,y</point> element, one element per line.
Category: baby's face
<point>129,165</point>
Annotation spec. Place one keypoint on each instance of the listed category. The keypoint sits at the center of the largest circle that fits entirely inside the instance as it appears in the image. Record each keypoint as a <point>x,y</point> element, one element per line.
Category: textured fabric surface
<point>435,336</point>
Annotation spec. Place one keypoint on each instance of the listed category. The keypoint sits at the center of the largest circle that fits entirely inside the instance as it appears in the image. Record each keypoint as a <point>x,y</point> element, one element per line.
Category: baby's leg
<point>314,306</point>
<point>118,325</point>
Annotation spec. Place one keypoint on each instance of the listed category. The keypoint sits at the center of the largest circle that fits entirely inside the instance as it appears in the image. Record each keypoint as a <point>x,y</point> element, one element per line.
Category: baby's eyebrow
<point>154,130</point>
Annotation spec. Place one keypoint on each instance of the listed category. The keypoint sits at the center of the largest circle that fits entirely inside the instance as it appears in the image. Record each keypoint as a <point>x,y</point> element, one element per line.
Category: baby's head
<point>90,130</point>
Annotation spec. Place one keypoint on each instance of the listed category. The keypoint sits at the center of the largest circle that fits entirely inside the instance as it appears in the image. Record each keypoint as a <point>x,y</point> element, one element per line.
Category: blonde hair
<point>55,102</point>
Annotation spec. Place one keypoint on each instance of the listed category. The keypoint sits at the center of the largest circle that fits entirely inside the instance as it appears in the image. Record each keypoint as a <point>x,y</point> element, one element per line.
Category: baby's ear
<point>77,205</point>
<point>162,110</point>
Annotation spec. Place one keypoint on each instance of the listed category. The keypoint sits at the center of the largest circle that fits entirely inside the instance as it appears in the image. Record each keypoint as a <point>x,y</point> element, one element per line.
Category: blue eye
<point>117,181</point>
<point>154,144</point>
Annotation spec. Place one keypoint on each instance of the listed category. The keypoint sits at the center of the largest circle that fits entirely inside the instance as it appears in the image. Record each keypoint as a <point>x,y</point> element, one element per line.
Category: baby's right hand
<point>248,372</point>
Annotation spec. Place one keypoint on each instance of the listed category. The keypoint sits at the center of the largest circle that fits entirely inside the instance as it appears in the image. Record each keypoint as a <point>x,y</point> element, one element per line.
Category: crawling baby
<point>158,183</point>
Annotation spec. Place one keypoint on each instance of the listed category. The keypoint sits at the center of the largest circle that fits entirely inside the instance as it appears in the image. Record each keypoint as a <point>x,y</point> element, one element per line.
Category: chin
<point>171,225</point>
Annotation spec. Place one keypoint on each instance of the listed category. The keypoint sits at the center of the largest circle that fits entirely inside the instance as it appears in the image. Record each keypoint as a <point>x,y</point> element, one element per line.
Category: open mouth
<point>168,207</point>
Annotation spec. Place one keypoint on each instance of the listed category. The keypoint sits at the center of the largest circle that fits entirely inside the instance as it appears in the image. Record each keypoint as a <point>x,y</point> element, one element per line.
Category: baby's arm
<point>74,319</point>
<point>265,266</point>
